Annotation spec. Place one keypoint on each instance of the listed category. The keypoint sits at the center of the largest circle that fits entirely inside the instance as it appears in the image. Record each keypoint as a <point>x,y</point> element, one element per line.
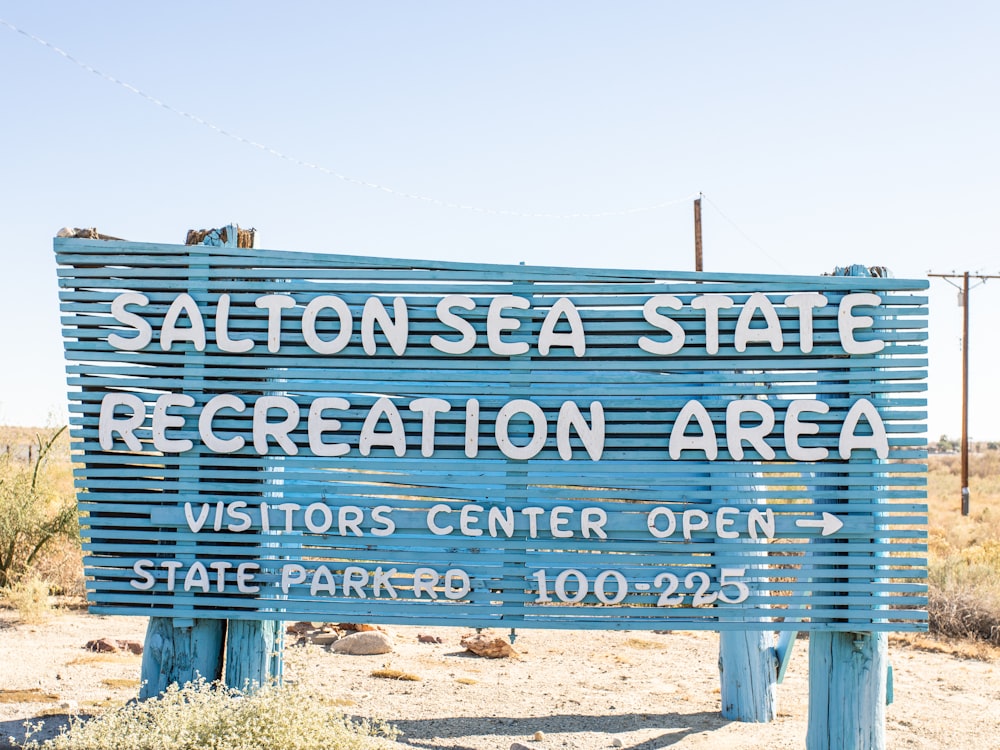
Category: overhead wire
<point>326,170</point>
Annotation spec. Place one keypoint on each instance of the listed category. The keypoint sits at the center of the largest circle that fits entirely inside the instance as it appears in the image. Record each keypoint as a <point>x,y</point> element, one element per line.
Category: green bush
<point>210,716</point>
<point>34,512</point>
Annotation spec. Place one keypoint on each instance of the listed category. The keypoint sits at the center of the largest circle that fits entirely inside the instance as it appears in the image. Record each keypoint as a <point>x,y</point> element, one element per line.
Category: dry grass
<point>643,644</point>
<point>101,658</point>
<point>31,695</point>
<point>30,597</point>
<point>120,684</point>
<point>396,674</point>
<point>964,559</point>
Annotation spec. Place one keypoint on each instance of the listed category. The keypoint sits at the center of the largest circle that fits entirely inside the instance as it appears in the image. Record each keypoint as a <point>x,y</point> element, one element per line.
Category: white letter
<point>805,302</point>
<point>448,318</point>
<point>108,424</point>
<point>193,524</point>
<point>711,304</point>
<point>593,520</point>
<point>222,339</point>
<point>208,437</point>
<point>170,332</point>
<point>703,442</point>
<point>309,316</point>
<point>140,569</point>
<point>274,304</point>
<point>395,438</point>
<point>547,336</point>
<point>651,522</point>
<point>651,312</point>
<point>557,520</point>
<point>318,425</point>
<point>592,435</point>
<point>278,430</point>
<point>451,591</point>
<point>429,407</point>
<point>847,323</point>
<point>770,333</point>
<point>723,522</point>
<point>794,429</point>
<point>736,433</point>
<point>467,517</point>
<point>693,519</point>
<point>877,441</point>
<point>244,578</point>
<point>497,324</point>
<point>472,428</point>
<point>380,514</point>
<point>143,330</point>
<point>424,580</point>
<point>396,332</point>
<point>163,421</point>
<point>349,518</point>
<point>541,429</point>
<point>432,524</point>
<point>324,510</point>
<point>292,574</point>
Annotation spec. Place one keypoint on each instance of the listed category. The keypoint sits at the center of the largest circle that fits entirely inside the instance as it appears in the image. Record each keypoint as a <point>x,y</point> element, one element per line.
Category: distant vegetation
<point>39,547</point>
<point>964,565</point>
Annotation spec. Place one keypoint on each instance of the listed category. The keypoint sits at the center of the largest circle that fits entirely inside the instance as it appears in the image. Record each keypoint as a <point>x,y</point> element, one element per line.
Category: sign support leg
<point>847,690</point>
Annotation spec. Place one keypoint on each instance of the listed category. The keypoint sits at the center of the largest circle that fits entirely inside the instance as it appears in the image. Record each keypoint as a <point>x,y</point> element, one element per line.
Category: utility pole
<point>963,300</point>
<point>697,233</point>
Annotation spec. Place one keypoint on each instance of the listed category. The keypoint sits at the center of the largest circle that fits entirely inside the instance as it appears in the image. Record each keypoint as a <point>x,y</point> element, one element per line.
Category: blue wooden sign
<point>285,435</point>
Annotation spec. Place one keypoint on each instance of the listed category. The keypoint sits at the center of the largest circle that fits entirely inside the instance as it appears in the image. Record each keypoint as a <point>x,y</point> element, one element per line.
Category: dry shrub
<point>205,715</point>
<point>964,592</point>
<point>30,597</point>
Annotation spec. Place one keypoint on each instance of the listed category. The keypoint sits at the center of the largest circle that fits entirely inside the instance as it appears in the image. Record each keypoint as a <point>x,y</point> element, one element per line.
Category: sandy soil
<point>581,689</point>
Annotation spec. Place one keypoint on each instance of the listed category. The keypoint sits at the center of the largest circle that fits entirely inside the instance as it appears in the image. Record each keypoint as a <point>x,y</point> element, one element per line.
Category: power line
<point>326,170</point>
<point>964,301</point>
<point>745,236</point>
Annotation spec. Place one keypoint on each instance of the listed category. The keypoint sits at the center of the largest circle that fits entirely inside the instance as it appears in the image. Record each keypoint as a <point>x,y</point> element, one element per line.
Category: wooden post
<point>848,673</point>
<point>748,669</point>
<point>965,394</point>
<point>697,234</point>
<point>181,650</point>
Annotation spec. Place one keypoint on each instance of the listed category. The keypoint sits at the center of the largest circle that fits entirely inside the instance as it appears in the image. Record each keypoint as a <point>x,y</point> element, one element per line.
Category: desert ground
<point>581,689</point>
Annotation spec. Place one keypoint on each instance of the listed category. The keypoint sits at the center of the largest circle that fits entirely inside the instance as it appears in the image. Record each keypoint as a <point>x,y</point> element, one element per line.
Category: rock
<point>358,627</point>
<point>364,643</point>
<point>70,706</point>
<point>519,746</point>
<point>299,628</point>
<point>492,647</point>
<point>429,639</point>
<point>324,639</point>
<point>103,646</point>
<point>113,646</point>
<point>616,742</point>
<point>538,736</point>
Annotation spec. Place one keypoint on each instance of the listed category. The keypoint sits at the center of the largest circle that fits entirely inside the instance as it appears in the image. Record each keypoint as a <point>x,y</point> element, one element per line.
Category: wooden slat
<point>133,502</point>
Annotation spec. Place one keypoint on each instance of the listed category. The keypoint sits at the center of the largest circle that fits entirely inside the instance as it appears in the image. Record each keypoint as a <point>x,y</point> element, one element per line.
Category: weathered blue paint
<point>642,395</point>
<point>783,651</point>
<point>847,691</point>
<point>178,652</point>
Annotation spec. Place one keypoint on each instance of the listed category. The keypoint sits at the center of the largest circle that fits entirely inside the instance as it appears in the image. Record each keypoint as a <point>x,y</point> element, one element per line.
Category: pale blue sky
<point>837,133</point>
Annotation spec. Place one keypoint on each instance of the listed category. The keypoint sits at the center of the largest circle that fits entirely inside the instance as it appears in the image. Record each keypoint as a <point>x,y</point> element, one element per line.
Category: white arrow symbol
<point>830,524</point>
